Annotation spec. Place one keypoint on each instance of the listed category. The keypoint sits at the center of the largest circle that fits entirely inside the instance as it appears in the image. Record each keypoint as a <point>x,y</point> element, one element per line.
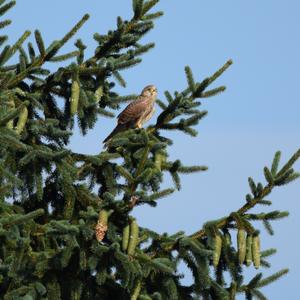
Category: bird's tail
<point>118,128</point>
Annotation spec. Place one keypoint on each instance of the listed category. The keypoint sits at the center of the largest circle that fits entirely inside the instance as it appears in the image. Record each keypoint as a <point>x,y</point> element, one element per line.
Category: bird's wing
<point>133,111</point>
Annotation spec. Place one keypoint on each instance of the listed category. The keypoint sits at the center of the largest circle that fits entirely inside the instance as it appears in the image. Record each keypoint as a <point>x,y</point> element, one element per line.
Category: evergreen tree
<point>66,229</point>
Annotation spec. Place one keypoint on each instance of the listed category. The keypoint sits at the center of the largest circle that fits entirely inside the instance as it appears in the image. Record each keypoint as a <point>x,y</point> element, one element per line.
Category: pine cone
<point>100,231</point>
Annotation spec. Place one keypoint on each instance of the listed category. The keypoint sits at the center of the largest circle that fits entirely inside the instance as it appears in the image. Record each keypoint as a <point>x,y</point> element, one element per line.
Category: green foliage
<point>53,201</point>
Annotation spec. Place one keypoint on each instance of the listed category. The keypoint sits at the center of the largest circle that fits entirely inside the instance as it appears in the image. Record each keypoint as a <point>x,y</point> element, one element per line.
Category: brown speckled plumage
<point>137,112</point>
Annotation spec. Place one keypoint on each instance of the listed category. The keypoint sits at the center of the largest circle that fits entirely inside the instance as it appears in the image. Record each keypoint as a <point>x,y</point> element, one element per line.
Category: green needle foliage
<point>66,230</point>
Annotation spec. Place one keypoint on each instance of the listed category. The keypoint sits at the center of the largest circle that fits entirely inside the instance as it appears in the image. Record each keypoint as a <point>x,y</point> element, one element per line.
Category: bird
<point>137,112</point>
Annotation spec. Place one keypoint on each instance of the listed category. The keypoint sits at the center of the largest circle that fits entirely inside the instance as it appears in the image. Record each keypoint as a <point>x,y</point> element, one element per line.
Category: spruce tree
<point>66,228</point>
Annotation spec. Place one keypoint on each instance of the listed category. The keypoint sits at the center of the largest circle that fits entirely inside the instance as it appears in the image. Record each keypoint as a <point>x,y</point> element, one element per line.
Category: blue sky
<point>257,115</point>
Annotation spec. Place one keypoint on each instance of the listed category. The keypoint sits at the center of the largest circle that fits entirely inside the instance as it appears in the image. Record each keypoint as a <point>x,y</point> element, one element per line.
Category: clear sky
<point>257,115</point>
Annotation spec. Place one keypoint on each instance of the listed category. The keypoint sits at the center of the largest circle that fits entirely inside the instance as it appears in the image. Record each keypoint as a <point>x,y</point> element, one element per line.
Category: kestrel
<point>137,112</point>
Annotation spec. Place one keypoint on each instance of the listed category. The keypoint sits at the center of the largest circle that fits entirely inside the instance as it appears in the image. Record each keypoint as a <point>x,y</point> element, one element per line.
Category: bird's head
<point>149,90</point>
